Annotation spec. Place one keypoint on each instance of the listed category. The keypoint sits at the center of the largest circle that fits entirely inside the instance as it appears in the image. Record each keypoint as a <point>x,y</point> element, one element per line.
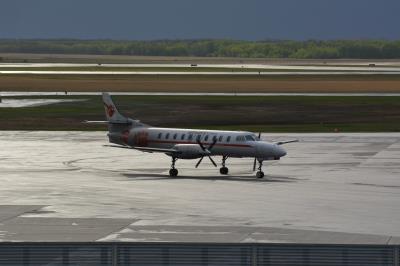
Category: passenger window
<point>198,137</point>
<point>167,136</point>
<point>190,137</point>
<point>159,135</point>
<point>175,135</point>
<point>240,138</point>
<point>206,138</point>
<point>220,138</point>
<point>183,137</point>
<point>228,139</point>
<point>214,138</point>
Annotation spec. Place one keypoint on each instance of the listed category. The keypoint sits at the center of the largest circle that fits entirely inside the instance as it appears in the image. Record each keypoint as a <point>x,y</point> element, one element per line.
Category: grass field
<point>267,114</point>
<point>132,59</point>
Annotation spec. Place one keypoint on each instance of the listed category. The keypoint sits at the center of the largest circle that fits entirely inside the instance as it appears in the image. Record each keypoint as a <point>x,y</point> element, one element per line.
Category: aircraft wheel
<point>224,170</point>
<point>173,172</point>
<point>260,174</point>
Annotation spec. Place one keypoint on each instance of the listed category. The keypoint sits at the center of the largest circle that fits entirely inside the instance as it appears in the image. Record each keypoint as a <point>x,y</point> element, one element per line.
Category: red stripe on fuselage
<point>204,143</point>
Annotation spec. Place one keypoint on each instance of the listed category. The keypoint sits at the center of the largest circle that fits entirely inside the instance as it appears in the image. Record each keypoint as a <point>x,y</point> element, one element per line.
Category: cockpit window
<point>250,138</point>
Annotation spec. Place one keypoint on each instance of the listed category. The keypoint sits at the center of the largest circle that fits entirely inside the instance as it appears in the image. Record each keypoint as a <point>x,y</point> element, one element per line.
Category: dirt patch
<point>198,84</point>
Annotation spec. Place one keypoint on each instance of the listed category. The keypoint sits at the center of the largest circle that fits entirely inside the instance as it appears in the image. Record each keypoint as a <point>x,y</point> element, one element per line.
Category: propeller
<point>198,163</point>
<point>208,149</point>
<point>255,159</point>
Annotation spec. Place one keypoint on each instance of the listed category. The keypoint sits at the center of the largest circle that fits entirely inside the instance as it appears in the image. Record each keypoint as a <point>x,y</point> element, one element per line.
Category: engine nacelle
<point>190,151</point>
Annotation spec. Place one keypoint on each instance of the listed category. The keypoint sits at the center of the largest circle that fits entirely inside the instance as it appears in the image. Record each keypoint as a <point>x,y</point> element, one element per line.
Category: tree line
<point>334,49</point>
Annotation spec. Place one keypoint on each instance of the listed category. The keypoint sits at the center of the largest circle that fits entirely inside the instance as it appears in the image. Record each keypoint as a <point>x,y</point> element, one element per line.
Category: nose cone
<point>269,151</point>
<point>280,152</point>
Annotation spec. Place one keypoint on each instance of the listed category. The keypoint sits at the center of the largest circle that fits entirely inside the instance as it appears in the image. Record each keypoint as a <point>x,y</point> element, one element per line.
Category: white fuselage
<point>227,143</point>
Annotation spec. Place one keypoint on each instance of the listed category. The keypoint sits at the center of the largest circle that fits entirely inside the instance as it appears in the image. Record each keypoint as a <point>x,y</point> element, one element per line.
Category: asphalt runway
<point>330,188</point>
<point>382,66</point>
<point>18,103</point>
<point>283,69</point>
<point>205,73</point>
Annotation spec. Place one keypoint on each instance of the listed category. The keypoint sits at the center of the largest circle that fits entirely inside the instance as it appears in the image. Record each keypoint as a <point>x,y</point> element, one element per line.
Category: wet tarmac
<point>15,103</point>
<point>231,69</point>
<point>330,188</point>
<point>208,73</point>
<point>385,67</point>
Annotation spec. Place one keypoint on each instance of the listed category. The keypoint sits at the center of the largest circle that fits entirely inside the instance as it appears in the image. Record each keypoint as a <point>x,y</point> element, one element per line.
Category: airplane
<point>181,143</point>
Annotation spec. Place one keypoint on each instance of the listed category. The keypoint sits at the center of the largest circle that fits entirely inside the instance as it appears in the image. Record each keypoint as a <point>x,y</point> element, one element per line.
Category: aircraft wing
<point>286,141</point>
<point>146,149</point>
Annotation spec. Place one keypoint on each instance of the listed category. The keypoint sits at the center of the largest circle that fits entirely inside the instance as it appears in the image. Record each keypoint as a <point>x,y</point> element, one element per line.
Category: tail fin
<point>112,114</point>
<point>119,126</point>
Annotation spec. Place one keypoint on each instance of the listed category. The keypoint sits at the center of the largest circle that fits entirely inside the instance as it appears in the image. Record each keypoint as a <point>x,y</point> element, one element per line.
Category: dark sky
<point>195,19</point>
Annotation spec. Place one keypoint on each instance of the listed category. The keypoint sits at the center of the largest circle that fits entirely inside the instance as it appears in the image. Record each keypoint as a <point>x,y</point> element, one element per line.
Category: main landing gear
<point>173,171</point>
<point>224,170</point>
<point>260,173</point>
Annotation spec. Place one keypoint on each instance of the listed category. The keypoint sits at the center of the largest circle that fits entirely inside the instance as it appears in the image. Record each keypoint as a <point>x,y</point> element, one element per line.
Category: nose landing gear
<point>224,170</point>
<point>260,173</point>
<point>173,171</point>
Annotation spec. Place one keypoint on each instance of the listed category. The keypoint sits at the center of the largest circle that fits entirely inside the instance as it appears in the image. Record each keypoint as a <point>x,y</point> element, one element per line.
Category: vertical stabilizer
<point>112,114</point>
